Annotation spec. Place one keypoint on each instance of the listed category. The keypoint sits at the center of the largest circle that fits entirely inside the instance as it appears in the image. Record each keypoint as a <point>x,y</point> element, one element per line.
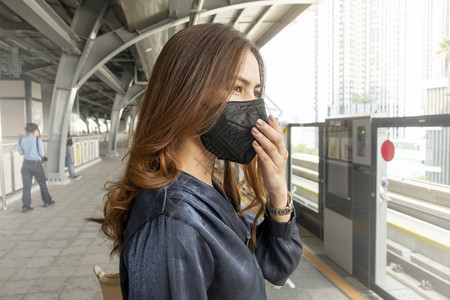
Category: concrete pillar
<point>115,120</point>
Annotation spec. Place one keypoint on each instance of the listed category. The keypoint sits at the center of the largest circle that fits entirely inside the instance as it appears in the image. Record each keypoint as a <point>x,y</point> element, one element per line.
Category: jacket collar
<point>151,203</point>
<point>211,195</point>
<point>215,198</point>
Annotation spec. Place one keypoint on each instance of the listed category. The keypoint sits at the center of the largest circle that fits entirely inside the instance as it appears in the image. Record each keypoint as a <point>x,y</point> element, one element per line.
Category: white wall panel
<point>7,172</point>
<point>13,117</point>
<point>12,89</point>
<point>36,90</point>
<point>18,161</point>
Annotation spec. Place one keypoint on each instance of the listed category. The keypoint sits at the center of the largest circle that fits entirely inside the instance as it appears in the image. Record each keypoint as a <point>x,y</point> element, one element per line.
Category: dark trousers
<point>30,169</point>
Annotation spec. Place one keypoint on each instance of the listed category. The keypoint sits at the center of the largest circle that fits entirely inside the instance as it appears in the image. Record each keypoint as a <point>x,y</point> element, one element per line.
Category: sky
<point>288,60</point>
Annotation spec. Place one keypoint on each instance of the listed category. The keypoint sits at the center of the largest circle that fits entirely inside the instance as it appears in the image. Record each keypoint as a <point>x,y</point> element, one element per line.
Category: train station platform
<point>49,252</point>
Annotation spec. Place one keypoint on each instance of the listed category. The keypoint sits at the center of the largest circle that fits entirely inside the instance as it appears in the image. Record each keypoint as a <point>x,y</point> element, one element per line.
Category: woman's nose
<point>249,95</point>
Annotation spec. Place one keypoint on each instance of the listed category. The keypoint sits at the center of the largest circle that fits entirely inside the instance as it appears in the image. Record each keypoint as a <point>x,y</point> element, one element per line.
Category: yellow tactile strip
<point>333,276</point>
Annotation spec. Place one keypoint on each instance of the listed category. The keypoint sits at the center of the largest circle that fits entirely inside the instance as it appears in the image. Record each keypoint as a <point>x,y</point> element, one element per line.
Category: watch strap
<point>281,211</point>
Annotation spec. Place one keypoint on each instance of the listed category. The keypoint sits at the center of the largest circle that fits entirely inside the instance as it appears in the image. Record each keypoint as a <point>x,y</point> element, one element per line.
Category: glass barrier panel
<point>413,201</point>
<point>305,166</point>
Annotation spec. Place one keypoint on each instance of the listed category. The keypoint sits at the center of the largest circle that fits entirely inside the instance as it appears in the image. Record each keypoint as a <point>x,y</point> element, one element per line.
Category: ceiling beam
<point>111,80</point>
<point>82,99</point>
<point>212,19</point>
<point>252,4</point>
<point>108,45</point>
<point>28,47</point>
<point>68,13</point>
<point>27,68</point>
<point>237,17</point>
<point>107,95</point>
<point>41,16</point>
<point>89,91</point>
<point>259,20</point>
<point>195,12</point>
<point>282,22</point>
<point>133,94</point>
<point>17,26</point>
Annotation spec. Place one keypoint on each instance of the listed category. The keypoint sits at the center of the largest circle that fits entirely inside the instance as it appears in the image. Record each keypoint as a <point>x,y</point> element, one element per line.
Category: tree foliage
<point>302,148</point>
<point>445,48</point>
<point>357,98</point>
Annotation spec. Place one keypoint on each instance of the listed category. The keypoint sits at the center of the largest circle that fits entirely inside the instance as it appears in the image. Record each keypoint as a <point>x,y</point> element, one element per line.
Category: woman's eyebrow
<point>246,82</point>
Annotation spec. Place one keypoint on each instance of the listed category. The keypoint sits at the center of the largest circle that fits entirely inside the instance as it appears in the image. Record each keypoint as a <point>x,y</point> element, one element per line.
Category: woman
<point>179,230</point>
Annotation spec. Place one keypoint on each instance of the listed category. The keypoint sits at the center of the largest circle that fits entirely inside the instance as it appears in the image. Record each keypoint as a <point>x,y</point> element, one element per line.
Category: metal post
<point>2,179</point>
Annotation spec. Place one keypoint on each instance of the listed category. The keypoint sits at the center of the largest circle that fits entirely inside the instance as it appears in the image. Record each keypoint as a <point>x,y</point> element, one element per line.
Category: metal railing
<point>86,146</point>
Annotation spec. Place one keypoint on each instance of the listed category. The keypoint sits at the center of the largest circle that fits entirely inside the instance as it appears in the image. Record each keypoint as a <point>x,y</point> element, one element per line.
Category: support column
<point>62,101</point>
<point>133,114</point>
<point>86,23</point>
<point>131,96</point>
<point>118,106</point>
<point>28,104</point>
<point>115,120</point>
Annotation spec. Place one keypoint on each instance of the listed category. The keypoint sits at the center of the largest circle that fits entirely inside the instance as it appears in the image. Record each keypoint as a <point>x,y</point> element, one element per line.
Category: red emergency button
<point>387,150</point>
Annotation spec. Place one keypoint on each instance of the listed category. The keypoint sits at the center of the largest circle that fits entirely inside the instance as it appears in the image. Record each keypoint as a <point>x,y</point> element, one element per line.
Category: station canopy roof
<point>35,33</point>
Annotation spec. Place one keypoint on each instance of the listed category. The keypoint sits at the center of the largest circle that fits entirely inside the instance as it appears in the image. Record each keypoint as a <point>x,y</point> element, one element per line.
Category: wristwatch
<point>281,211</point>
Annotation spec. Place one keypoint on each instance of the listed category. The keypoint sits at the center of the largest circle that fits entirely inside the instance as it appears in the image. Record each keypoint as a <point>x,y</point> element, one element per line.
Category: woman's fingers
<point>270,137</point>
<point>269,146</point>
<point>273,122</point>
<point>263,155</point>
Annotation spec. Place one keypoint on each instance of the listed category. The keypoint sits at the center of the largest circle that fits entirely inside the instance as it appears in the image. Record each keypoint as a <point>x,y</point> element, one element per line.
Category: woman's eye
<point>238,89</point>
<point>257,94</point>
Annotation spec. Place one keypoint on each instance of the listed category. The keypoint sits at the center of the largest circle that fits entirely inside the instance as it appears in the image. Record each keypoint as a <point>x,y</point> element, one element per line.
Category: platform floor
<point>49,253</point>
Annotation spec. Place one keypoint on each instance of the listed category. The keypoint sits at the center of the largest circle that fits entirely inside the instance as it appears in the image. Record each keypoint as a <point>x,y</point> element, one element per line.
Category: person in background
<point>70,158</point>
<point>32,148</point>
<point>178,222</point>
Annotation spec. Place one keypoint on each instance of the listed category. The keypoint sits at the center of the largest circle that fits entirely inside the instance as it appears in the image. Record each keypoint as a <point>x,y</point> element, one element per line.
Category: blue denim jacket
<point>186,241</point>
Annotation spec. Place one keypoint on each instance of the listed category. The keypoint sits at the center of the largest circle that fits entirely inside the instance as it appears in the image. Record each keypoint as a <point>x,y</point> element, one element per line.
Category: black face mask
<point>230,138</point>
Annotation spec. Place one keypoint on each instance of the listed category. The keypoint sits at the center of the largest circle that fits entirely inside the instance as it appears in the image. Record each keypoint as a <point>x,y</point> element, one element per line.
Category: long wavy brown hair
<point>190,83</point>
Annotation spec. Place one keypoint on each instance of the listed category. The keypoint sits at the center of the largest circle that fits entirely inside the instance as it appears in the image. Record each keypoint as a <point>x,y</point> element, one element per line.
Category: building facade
<point>367,57</point>
<point>437,91</point>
